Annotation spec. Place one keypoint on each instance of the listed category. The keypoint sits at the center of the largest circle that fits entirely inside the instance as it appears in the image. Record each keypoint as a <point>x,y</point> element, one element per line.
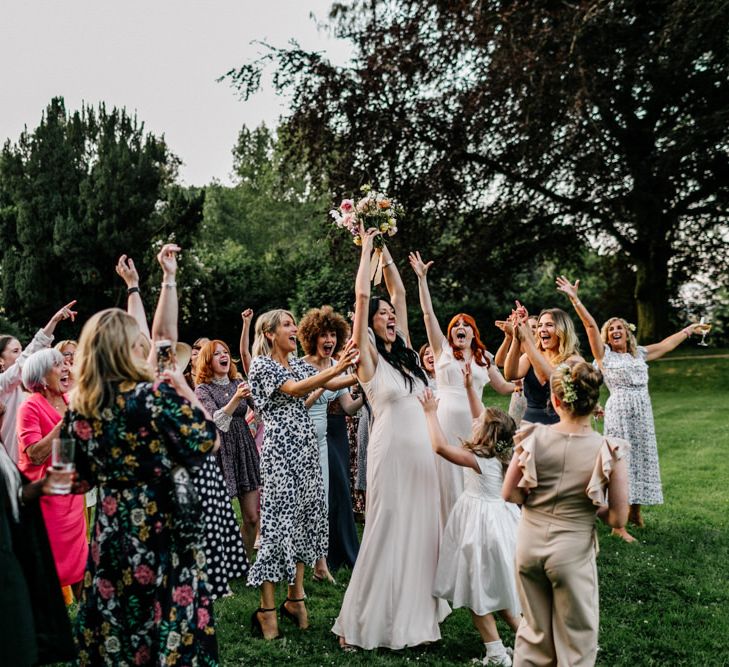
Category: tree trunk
<point>651,296</point>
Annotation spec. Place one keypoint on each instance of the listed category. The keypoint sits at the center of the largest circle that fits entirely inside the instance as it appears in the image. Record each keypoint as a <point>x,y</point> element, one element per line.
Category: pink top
<point>64,515</point>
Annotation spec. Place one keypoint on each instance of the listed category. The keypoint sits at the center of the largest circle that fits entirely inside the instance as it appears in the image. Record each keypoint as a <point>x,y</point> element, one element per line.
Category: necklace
<point>221,382</point>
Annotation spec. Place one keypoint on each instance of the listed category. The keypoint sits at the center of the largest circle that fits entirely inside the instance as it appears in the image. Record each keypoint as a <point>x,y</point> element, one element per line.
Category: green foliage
<point>77,192</point>
<point>539,123</point>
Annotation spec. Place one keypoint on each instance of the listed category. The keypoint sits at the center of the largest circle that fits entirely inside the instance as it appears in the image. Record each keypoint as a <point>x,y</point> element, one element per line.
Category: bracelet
<point>132,290</point>
<point>21,500</point>
<point>687,331</point>
<point>386,264</point>
<point>169,285</point>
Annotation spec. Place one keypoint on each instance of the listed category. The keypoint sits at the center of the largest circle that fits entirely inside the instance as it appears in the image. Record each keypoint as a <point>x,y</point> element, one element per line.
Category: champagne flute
<point>62,459</point>
<point>705,328</point>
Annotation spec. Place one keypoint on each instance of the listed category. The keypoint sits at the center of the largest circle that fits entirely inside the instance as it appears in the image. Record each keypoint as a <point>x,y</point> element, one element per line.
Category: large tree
<point>504,119</point>
<point>75,193</point>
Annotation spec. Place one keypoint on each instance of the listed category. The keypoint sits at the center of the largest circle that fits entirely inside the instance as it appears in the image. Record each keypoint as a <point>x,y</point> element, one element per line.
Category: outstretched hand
<point>368,236</point>
<point>66,313</point>
<point>127,271</point>
<point>247,316</point>
<point>348,357</point>
<point>428,401</point>
<point>564,285</point>
<point>467,376</point>
<point>167,258</point>
<point>419,266</point>
<point>506,326</point>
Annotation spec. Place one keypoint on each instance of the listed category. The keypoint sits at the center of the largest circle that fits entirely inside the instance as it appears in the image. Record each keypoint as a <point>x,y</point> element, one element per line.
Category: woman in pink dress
<point>39,422</point>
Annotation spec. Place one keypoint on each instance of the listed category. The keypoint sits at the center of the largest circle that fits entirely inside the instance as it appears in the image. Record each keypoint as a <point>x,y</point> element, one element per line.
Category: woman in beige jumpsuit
<point>564,475</point>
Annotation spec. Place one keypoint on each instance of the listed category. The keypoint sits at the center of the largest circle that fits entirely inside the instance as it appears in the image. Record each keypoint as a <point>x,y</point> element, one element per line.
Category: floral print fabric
<point>146,599</point>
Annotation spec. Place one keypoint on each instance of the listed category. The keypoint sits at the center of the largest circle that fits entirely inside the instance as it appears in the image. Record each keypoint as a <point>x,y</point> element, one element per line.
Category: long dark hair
<point>400,356</point>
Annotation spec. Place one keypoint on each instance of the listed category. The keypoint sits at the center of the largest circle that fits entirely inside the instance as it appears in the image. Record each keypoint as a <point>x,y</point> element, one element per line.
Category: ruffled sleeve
<point>611,451</point>
<point>525,450</point>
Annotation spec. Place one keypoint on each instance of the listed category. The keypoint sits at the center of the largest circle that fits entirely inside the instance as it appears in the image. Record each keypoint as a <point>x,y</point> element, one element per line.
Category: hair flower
<point>569,393</point>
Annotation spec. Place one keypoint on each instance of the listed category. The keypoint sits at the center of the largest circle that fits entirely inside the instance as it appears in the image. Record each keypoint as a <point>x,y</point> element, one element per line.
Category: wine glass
<point>705,328</point>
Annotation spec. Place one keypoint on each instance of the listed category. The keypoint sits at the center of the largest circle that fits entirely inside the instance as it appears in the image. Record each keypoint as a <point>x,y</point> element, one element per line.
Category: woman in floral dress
<point>628,411</point>
<point>146,599</point>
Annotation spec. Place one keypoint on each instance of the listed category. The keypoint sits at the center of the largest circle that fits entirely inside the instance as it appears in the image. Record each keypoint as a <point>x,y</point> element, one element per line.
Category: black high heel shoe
<point>256,627</point>
<point>285,613</point>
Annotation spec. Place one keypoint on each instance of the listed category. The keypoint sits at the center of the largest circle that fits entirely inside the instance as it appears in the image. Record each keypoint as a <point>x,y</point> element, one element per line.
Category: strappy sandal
<point>285,613</point>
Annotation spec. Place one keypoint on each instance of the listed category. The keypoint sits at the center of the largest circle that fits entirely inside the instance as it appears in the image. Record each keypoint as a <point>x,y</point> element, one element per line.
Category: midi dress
<point>294,524</point>
<point>389,601</point>
<point>629,415</point>
<point>454,415</point>
<point>224,547</point>
<point>146,598</point>
<point>567,476</point>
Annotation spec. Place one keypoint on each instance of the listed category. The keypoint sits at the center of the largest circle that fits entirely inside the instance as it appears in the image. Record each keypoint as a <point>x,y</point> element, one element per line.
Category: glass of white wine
<point>62,459</point>
<point>705,328</point>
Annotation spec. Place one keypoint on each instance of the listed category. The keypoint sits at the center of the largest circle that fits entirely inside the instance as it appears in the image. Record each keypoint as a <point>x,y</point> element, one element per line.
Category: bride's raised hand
<point>564,285</point>
<point>467,376</point>
<point>418,265</point>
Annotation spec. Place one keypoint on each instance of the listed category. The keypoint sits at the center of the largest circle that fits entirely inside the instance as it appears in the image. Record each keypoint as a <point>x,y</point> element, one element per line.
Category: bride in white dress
<point>389,602</point>
<point>462,346</point>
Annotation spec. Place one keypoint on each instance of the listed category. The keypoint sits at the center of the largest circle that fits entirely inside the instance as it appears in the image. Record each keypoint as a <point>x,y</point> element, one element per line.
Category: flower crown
<point>504,450</point>
<point>568,386</point>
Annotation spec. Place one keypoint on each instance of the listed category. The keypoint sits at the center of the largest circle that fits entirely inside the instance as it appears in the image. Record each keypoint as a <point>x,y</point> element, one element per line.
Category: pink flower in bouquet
<point>347,206</point>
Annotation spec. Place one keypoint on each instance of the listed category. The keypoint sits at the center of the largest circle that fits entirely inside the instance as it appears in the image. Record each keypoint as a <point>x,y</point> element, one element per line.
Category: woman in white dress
<point>461,346</point>
<point>628,411</point>
<point>389,602</point>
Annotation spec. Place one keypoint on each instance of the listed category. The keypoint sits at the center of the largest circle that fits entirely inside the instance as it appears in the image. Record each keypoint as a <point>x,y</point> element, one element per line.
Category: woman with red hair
<point>453,352</point>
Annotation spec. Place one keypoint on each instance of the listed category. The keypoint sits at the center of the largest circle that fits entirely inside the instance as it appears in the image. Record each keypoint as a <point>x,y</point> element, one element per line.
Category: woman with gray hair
<point>294,526</point>
<point>12,358</point>
<point>46,376</point>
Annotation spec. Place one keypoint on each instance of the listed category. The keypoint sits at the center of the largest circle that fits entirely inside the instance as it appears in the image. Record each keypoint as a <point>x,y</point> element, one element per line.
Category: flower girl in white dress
<point>477,552</point>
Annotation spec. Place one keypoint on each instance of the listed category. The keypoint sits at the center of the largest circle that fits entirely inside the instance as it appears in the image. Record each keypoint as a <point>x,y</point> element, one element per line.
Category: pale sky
<point>159,58</point>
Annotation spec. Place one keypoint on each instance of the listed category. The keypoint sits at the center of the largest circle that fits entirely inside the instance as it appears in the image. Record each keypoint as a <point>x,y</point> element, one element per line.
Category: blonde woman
<point>563,475</point>
<point>533,361</point>
<point>146,576</point>
<point>628,411</point>
<point>294,528</point>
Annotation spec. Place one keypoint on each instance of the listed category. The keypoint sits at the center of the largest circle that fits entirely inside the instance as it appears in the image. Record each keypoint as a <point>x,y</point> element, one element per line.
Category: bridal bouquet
<point>374,209</point>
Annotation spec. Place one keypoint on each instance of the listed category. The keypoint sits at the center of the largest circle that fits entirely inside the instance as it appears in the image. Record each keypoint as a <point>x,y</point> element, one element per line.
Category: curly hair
<point>204,364</point>
<point>630,342</point>
<point>318,321</point>
<point>478,348</point>
<point>581,379</point>
<point>493,428</point>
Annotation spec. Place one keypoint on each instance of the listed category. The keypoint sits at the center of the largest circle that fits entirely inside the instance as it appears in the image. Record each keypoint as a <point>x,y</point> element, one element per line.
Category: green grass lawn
<point>664,600</point>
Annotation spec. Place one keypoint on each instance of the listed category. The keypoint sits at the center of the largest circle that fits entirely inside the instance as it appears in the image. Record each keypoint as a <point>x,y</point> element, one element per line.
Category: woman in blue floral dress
<point>146,599</point>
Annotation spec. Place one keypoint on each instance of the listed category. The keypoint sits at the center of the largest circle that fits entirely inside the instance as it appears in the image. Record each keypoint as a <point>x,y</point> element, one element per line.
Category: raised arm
<point>542,367</point>
<point>503,351</point>
<point>245,339</point>
<point>432,327</point>
<point>498,383</point>
<point>396,290</point>
<point>439,442</point>
<point>657,350</point>
<point>367,352</point>
<point>65,313</point>
<point>135,306</point>
<point>474,401</point>
<point>164,325</point>
<point>588,321</point>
